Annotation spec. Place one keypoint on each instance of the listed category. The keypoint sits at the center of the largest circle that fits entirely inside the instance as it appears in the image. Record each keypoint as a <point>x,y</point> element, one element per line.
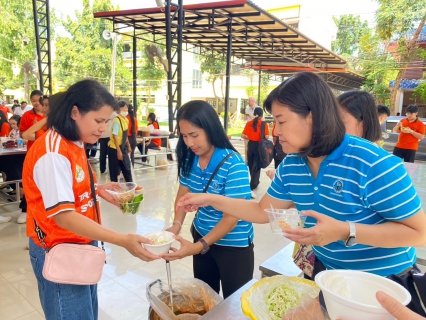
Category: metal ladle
<point>169,280</point>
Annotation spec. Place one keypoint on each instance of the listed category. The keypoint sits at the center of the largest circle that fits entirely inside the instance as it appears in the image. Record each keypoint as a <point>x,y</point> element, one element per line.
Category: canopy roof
<point>258,37</point>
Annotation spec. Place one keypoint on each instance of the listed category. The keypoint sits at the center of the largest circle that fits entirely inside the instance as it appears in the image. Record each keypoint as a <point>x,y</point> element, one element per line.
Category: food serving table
<point>161,151</point>
<point>230,308</point>
<point>417,172</point>
<point>13,152</point>
<point>280,263</point>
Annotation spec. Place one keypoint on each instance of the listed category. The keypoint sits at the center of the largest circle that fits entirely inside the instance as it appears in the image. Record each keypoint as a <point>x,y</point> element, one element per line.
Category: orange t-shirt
<point>255,135</point>
<point>5,110</point>
<point>157,142</point>
<point>28,119</point>
<point>56,179</point>
<point>407,140</point>
<point>5,129</point>
<point>129,131</point>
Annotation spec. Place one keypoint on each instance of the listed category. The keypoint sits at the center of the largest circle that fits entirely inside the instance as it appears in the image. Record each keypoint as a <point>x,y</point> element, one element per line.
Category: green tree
<point>85,54</point>
<point>350,29</point>
<point>17,24</point>
<point>151,73</point>
<point>214,64</point>
<point>377,65</point>
<point>420,91</point>
<point>400,22</point>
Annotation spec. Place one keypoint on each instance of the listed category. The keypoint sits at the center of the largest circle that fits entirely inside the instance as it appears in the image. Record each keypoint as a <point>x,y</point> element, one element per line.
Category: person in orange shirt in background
<point>411,130</point>
<point>252,133</point>
<point>4,125</point>
<point>4,109</point>
<point>33,116</point>
<point>152,143</point>
<point>57,162</point>
<point>133,132</point>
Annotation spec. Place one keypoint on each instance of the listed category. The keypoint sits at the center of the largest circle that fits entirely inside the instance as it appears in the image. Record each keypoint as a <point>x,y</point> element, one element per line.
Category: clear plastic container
<point>125,193</point>
<point>285,218</point>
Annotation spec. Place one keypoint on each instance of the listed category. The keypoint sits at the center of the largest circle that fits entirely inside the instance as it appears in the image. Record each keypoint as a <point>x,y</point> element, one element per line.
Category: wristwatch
<point>206,247</point>
<point>350,241</point>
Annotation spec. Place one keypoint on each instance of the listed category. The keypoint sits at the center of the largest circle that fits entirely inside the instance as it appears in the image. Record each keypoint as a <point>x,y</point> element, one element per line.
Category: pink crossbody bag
<point>69,263</point>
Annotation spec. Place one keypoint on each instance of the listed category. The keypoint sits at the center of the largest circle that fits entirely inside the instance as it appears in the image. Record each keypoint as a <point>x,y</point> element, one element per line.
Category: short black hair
<point>36,93</point>
<point>86,95</point>
<point>17,101</point>
<point>202,115</point>
<point>16,118</point>
<point>412,108</point>
<point>383,110</point>
<point>122,104</point>
<point>362,107</point>
<point>24,102</point>
<point>305,93</point>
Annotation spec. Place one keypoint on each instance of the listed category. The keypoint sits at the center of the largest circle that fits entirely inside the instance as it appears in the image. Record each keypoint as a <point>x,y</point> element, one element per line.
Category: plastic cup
<point>158,249</point>
<point>363,303</point>
<point>285,218</point>
<point>123,194</point>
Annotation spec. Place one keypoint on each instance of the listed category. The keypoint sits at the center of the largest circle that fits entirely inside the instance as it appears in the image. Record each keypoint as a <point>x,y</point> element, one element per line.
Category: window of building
<point>197,54</point>
<point>144,98</point>
<point>197,80</point>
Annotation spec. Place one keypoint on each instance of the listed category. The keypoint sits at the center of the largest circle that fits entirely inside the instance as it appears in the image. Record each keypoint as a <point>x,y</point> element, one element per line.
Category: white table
<point>230,308</point>
<point>13,152</point>
<point>161,151</point>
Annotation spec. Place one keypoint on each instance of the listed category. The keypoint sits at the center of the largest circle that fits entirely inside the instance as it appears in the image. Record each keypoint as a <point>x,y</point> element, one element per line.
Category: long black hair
<point>132,118</point>
<point>3,119</point>
<point>86,95</point>
<point>306,92</point>
<point>259,113</point>
<point>202,115</point>
<point>17,119</point>
<point>362,107</point>
<point>153,118</point>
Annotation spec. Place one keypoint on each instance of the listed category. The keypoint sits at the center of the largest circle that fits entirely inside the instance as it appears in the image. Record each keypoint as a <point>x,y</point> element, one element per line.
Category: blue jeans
<point>63,301</point>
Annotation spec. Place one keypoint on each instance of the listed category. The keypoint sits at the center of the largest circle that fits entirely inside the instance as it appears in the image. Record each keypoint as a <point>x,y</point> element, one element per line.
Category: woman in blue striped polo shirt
<point>363,211</point>
<point>223,245</point>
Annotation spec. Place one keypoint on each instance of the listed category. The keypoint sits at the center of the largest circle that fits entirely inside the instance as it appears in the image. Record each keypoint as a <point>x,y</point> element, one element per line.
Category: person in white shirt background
<point>21,110</point>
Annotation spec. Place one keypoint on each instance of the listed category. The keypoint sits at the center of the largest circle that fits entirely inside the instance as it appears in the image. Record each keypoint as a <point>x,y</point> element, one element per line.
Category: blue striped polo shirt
<point>232,180</point>
<point>358,182</point>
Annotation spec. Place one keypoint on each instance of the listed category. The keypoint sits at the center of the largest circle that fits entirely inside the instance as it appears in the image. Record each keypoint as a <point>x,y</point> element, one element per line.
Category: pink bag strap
<point>95,201</point>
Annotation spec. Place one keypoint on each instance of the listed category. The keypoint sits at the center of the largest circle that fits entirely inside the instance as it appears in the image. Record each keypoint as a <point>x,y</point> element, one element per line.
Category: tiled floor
<point>122,293</point>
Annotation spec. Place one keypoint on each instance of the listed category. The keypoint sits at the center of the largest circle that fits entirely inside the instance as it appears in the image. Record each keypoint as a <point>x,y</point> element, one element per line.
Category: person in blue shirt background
<point>363,211</point>
<point>223,245</point>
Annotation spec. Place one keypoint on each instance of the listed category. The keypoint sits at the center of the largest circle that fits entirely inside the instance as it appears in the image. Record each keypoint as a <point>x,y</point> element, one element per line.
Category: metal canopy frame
<point>42,35</point>
<point>240,29</point>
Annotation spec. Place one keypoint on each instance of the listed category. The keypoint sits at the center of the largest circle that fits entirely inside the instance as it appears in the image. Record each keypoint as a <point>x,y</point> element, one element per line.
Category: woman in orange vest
<point>60,185</point>
<point>152,143</point>
<point>252,133</point>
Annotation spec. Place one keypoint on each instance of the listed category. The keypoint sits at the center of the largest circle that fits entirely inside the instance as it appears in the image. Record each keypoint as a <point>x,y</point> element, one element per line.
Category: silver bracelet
<point>180,224</point>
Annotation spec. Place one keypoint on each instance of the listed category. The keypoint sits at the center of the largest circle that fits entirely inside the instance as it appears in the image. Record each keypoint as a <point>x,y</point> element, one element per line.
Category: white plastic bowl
<point>161,248</point>
<point>363,304</point>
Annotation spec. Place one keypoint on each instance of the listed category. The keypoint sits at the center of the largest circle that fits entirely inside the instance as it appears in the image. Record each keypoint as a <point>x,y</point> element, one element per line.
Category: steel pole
<point>135,102</point>
<point>228,75</point>
<point>114,54</point>
<point>259,84</point>
<point>169,41</point>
